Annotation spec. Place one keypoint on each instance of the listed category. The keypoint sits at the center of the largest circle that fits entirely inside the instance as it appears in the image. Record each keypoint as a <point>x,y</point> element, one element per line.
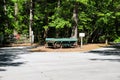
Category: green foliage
<point>102,38</point>
<point>117,14</point>
<point>45,27</point>
<point>117,40</point>
<point>8,31</point>
<point>99,19</point>
<point>84,18</point>
<point>82,1</point>
<point>59,23</point>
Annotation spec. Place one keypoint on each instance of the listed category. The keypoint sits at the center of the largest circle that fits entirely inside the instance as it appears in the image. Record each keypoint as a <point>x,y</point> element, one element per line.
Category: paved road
<point>93,65</point>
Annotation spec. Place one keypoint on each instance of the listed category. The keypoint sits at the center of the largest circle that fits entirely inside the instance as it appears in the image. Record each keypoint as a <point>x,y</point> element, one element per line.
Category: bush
<point>117,40</point>
<point>102,38</point>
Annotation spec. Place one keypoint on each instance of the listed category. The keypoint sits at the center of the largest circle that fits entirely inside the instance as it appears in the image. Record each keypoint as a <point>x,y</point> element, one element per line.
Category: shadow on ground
<point>109,50</point>
<point>113,50</point>
<point>113,60</point>
<point>8,55</point>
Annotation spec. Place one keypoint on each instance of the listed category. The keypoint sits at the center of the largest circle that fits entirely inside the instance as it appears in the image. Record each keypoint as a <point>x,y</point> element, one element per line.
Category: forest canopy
<point>98,19</point>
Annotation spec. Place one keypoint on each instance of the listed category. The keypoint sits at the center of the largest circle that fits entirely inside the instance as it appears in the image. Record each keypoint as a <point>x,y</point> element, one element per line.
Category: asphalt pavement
<point>19,64</point>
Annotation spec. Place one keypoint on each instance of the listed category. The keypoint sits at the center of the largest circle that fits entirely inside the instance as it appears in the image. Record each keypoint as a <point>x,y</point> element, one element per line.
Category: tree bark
<point>5,13</point>
<point>31,20</point>
<point>6,24</point>
<point>16,12</point>
<point>58,3</point>
<point>75,20</point>
<point>46,20</point>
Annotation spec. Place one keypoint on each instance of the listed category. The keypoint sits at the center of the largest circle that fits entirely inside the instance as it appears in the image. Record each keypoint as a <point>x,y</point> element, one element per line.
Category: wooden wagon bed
<point>61,42</point>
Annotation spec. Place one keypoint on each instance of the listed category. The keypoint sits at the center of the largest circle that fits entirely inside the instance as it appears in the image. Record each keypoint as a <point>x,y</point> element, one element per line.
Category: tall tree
<point>75,19</point>
<point>31,20</point>
<point>75,16</point>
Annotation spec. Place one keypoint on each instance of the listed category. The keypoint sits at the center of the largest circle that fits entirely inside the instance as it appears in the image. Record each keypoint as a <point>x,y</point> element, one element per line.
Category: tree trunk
<point>16,9</point>
<point>16,13</point>
<point>58,3</point>
<point>46,21</point>
<point>31,19</point>
<point>58,12</point>
<point>75,19</point>
<point>117,26</point>
<point>5,21</point>
<point>5,13</point>
<point>5,7</point>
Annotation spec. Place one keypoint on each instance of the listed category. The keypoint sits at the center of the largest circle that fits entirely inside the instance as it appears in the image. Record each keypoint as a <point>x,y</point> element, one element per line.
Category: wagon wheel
<point>61,45</point>
<point>46,45</point>
<point>57,45</point>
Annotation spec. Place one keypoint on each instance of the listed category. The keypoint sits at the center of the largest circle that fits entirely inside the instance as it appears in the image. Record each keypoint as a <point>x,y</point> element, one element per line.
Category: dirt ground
<point>84,48</point>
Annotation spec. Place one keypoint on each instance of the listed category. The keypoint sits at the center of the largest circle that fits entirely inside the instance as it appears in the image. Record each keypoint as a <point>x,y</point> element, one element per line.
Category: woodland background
<point>98,19</point>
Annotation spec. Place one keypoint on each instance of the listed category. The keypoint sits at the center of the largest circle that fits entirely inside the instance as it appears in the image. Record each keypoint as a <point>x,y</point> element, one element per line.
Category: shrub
<point>117,40</point>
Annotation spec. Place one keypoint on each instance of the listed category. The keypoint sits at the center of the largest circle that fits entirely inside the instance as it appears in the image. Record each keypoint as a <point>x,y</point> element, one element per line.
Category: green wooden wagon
<point>61,42</point>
